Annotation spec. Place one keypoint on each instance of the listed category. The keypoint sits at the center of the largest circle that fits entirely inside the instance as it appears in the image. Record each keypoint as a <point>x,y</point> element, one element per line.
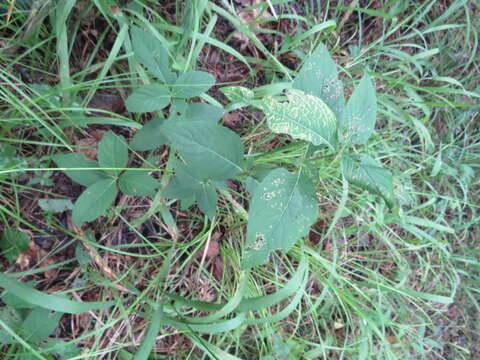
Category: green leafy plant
<point>204,154</point>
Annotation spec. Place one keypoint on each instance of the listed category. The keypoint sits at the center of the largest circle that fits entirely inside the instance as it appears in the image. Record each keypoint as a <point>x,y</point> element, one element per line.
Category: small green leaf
<point>211,151</point>
<point>151,53</point>
<point>360,113</point>
<point>78,161</point>
<point>94,201</point>
<point>62,349</point>
<point>369,174</point>
<point>39,324</point>
<point>55,205</point>
<point>149,137</point>
<point>138,183</point>
<point>282,210</point>
<point>238,94</point>
<point>185,186</point>
<point>148,98</point>
<point>13,320</point>
<point>191,84</point>
<point>318,76</point>
<point>304,117</point>
<point>13,243</point>
<point>112,152</point>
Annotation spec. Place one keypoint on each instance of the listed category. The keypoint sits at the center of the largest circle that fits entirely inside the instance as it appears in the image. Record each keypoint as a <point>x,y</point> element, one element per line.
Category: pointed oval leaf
<point>304,117</point>
<point>39,324</point>
<point>148,98</point>
<point>94,201</point>
<point>282,210</point>
<point>112,152</point>
<point>13,320</point>
<point>318,76</point>
<point>191,84</point>
<point>202,112</point>
<point>238,94</point>
<point>369,174</point>
<point>138,183</point>
<point>150,52</point>
<point>149,137</point>
<point>360,113</point>
<point>76,161</point>
<point>211,151</point>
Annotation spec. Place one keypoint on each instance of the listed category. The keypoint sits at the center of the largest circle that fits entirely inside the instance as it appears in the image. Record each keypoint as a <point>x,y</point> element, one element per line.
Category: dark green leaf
<point>39,324</point>
<point>13,243</point>
<point>185,186</point>
<point>282,210</point>
<point>148,98</point>
<point>199,112</point>
<point>304,117</point>
<point>369,174</point>
<point>151,53</point>
<point>211,151</point>
<point>112,152</point>
<point>55,205</point>
<point>318,76</point>
<point>138,183</point>
<point>149,137</point>
<point>94,201</point>
<point>78,161</point>
<point>13,320</point>
<point>360,113</point>
<point>191,84</point>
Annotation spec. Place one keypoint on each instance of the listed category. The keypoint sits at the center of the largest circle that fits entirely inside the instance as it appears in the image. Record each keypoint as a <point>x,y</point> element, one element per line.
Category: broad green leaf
<point>138,183</point>
<point>13,320</point>
<point>94,201</point>
<point>199,112</point>
<point>360,114</point>
<point>13,243</point>
<point>55,205</point>
<point>238,94</point>
<point>151,53</point>
<point>369,174</point>
<point>191,84</point>
<point>39,324</point>
<point>78,161</point>
<point>112,152</point>
<point>149,137</point>
<point>282,210</point>
<point>210,151</point>
<point>148,98</point>
<point>48,301</point>
<point>186,187</point>
<point>304,117</point>
<point>318,76</point>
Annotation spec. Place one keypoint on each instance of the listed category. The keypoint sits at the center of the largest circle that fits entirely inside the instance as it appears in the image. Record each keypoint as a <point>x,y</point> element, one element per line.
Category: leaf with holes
<point>318,76</point>
<point>304,117</point>
<point>238,94</point>
<point>39,324</point>
<point>199,112</point>
<point>210,151</point>
<point>138,183</point>
<point>74,162</point>
<point>148,98</point>
<point>360,114</point>
<point>94,201</point>
<point>282,210</point>
<point>185,186</point>
<point>150,51</point>
<point>369,174</point>
<point>191,84</point>
<point>113,152</point>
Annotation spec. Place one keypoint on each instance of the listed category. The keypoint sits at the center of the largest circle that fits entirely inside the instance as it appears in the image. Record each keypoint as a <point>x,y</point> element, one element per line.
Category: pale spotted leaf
<point>282,210</point>
<point>304,117</point>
